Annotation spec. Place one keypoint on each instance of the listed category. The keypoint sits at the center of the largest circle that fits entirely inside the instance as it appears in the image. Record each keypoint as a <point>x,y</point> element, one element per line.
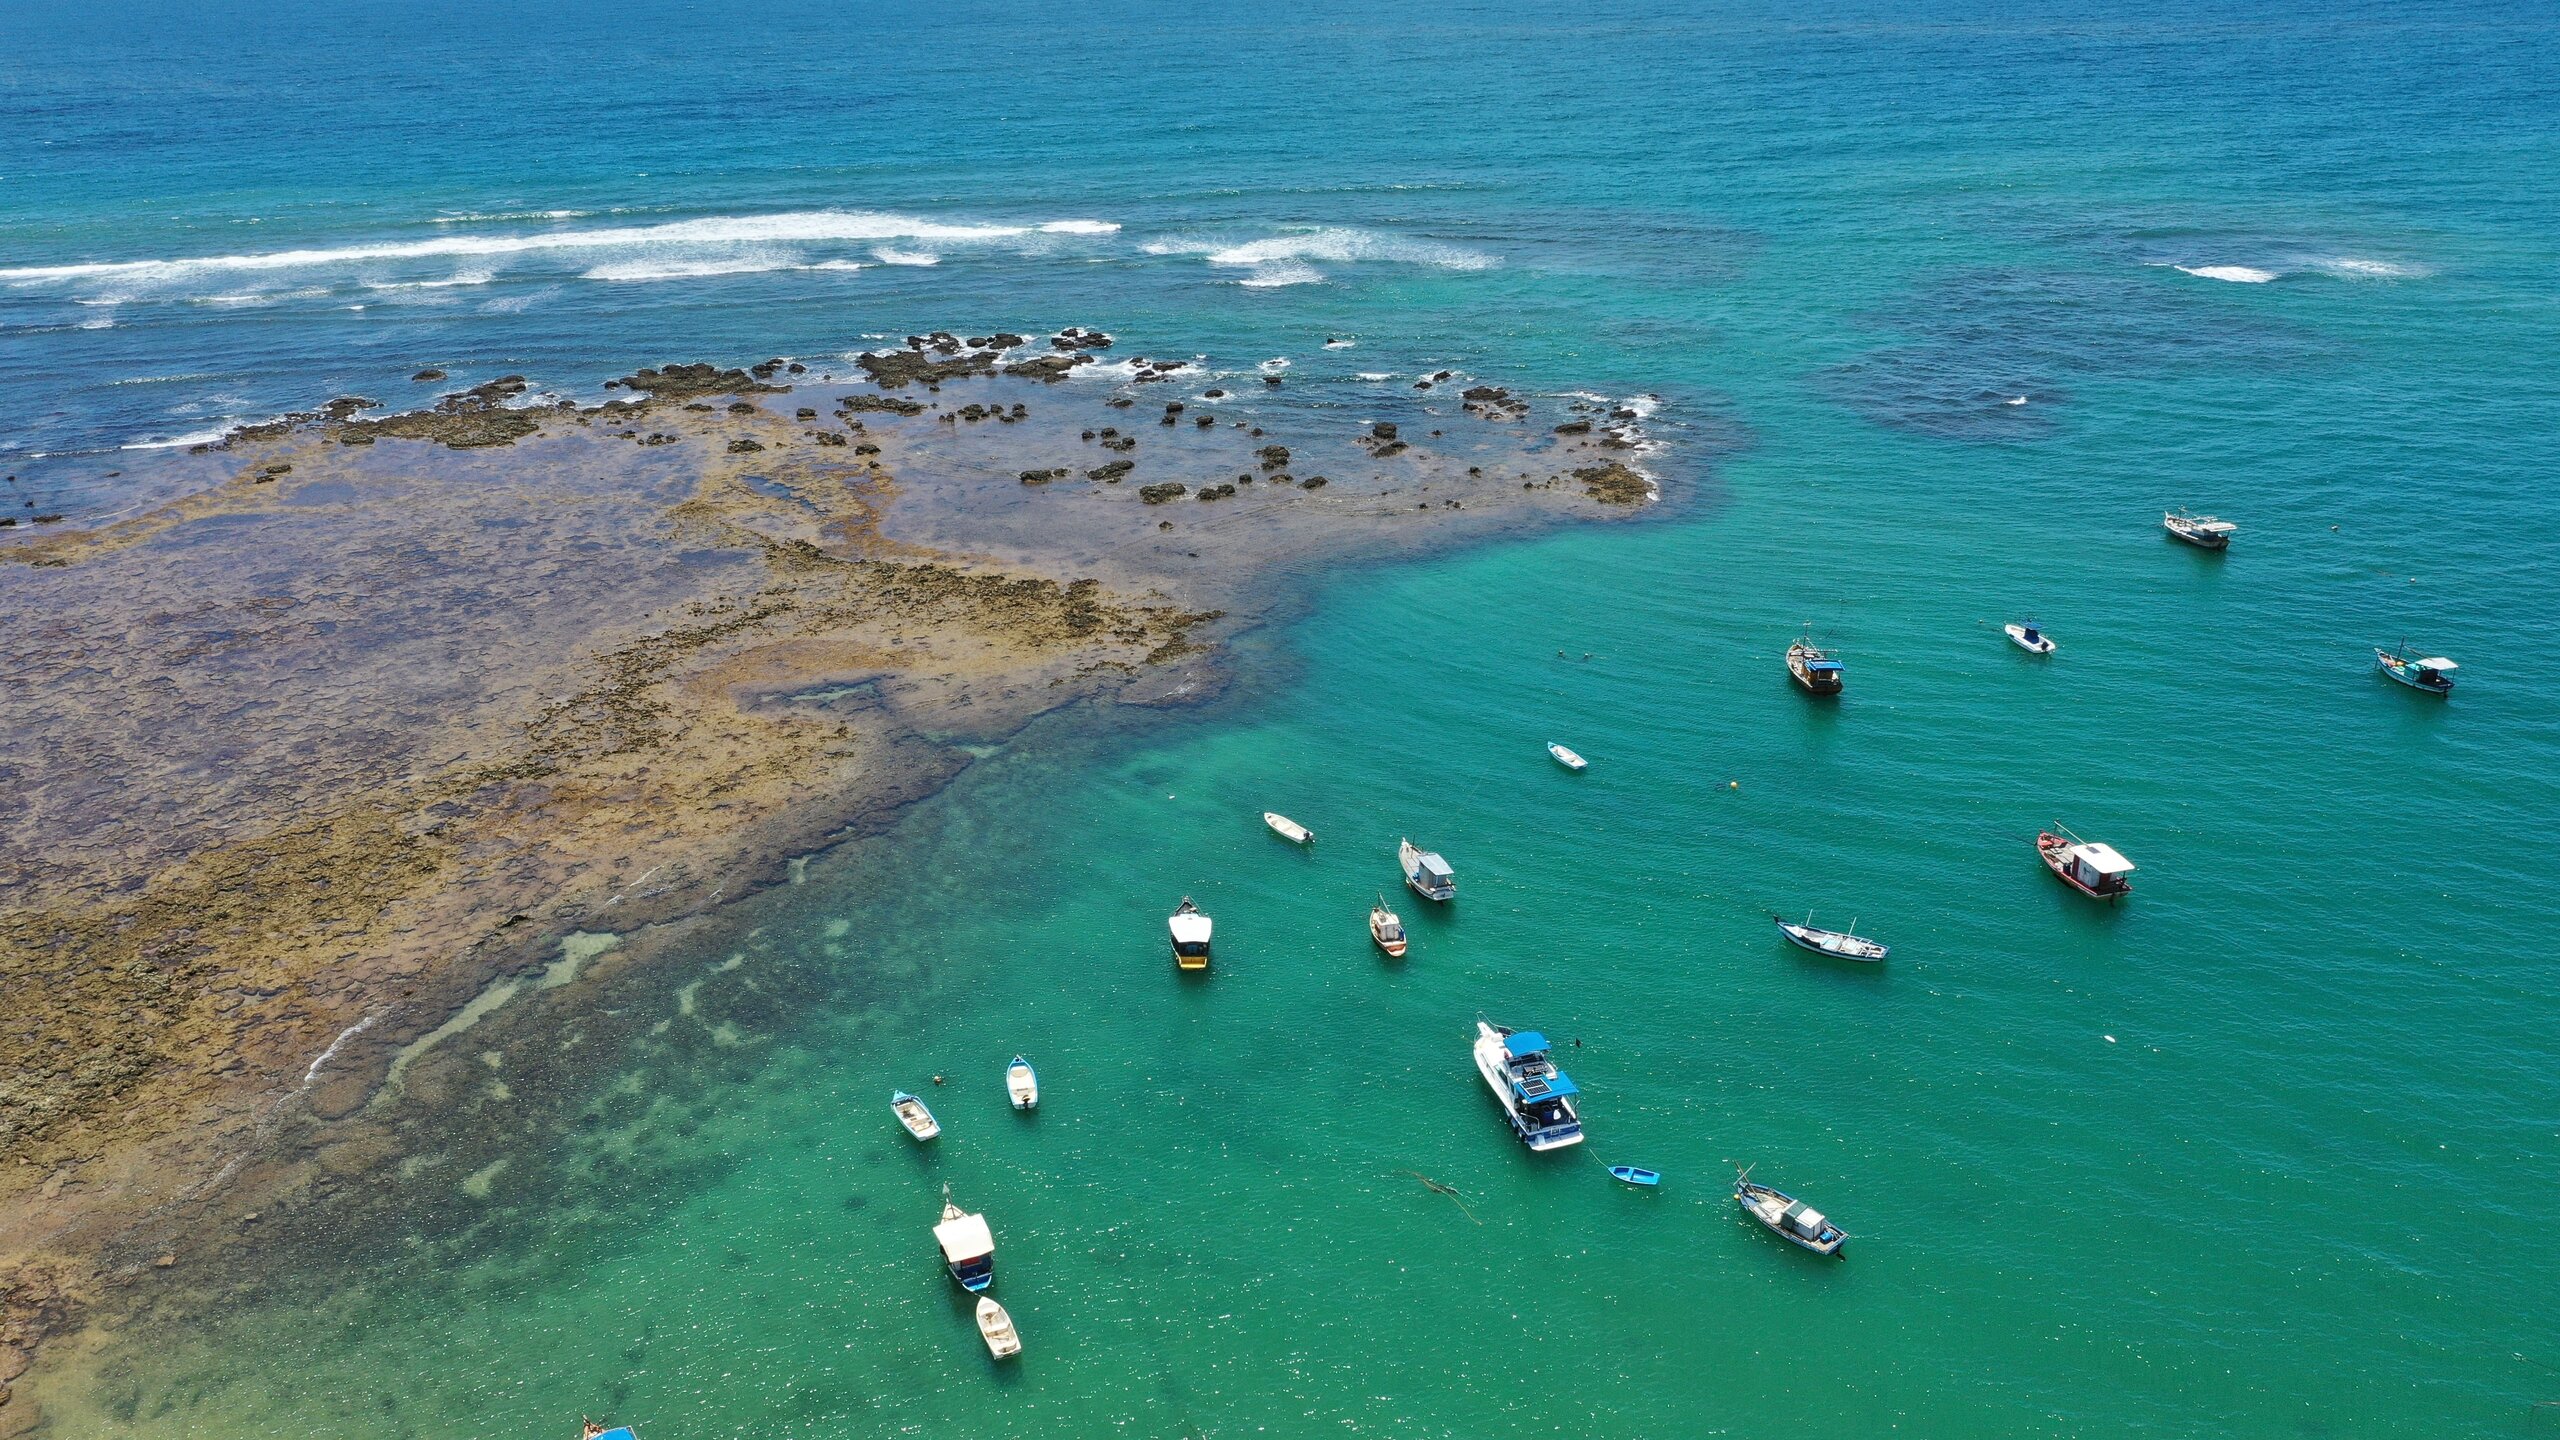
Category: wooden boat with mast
<point>1838,944</point>
<point>2433,675</point>
<point>1387,929</point>
<point>1813,668</point>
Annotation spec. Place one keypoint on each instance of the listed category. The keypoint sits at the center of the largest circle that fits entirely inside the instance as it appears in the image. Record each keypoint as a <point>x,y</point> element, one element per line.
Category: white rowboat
<point>997,1328</point>
<point>1288,829</point>
<point>1567,758</point>
<point>912,1114</point>
<point>1022,1084</point>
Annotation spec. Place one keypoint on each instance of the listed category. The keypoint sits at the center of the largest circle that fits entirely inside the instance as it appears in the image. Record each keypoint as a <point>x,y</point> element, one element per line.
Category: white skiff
<point>997,1327</point>
<point>1288,829</point>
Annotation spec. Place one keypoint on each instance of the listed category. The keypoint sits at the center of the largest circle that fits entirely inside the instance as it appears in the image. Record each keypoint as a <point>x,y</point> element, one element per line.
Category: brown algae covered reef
<point>391,722</point>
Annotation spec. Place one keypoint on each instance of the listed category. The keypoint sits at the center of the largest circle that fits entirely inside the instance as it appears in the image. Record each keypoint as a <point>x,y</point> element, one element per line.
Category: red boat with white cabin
<point>2094,870</point>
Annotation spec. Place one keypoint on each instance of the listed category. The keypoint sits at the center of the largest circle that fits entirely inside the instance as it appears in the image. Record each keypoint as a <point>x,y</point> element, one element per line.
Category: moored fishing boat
<point>1387,929</point>
<point>2202,531</point>
<point>995,1327</point>
<point>1023,1084</point>
<point>1425,873</point>
<point>1190,936</point>
<point>1536,1097</point>
<point>1288,829</point>
<point>1839,944</point>
<point>1786,1217</point>
<point>968,1246</point>
<point>912,1114</point>
<point>2094,870</point>
<point>2433,675</point>
<point>1814,669</point>
<point>1567,758</point>
<point>2027,637</point>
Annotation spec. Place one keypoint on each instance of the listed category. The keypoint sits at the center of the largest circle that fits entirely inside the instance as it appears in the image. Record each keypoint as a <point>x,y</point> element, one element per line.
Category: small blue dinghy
<point>1636,1174</point>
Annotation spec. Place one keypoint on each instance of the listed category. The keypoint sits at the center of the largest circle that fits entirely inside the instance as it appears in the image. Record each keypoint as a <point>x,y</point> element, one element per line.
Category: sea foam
<point>2235,274</point>
<point>720,231</point>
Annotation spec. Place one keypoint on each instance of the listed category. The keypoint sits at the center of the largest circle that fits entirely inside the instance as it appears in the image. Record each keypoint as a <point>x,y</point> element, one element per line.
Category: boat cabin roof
<point>1551,1086</point>
<point>966,1238</point>
<point>1521,1044</point>
<point>2105,859</point>
<point>1430,863</point>
<point>1192,929</point>
<point>2438,663</point>
<point>1804,1217</point>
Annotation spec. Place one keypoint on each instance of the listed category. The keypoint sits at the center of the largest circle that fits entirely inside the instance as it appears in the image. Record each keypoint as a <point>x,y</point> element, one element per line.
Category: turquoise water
<point>2267,1150</point>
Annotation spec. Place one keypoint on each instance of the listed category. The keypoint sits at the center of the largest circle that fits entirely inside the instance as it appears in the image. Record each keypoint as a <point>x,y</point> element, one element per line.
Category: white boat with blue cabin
<point>1425,873</point>
<point>1535,1095</point>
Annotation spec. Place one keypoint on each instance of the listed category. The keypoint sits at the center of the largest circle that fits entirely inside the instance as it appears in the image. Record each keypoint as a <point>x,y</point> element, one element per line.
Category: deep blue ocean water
<point>1944,304</point>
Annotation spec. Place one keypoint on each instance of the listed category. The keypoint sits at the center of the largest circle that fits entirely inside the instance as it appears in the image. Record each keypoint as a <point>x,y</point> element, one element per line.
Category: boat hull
<point>1759,1202</point>
<point>1023,1084</point>
<point>2040,645</point>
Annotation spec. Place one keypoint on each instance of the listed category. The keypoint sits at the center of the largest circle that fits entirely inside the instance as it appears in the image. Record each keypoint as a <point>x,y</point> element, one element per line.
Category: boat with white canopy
<point>2202,531</point>
<point>968,1246</point>
<point>2094,870</point>
<point>2433,675</point>
<point>1190,936</point>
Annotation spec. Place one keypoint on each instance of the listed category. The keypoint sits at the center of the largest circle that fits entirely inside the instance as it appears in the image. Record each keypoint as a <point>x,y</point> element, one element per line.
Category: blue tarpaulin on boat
<point>619,1432</point>
<point>1526,1042</point>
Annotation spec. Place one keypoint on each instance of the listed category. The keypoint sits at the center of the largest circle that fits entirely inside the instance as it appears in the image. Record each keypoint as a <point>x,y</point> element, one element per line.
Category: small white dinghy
<point>1022,1084</point>
<point>1003,1342</point>
<point>2027,637</point>
<point>912,1114</point>
<point>1288,829</point>
<point>1567,758</point>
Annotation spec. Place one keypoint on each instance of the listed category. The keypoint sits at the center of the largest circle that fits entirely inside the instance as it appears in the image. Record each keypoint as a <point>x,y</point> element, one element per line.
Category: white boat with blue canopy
<point>1536,1096</point>
<point>968,1246</point>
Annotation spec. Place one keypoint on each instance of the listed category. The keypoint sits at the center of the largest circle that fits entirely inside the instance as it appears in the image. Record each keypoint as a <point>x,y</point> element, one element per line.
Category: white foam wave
<point>473,218</point>
<point>98,322</point>
<point>2354,268</point>
<point>2235,274</point>
<point>1275,364</point>
<point>1287,272</point>
<point>1337,244</point>
<point>1339,344</point>
<point>1643,405</point>
<point>731,231</point>
<point>689,269</point>
<point>193,437</point>
<point>1081,227</point>
<point>887,256</point>
<point>1373,375</point>
<point>464,277</point>
<point>841,265</point>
